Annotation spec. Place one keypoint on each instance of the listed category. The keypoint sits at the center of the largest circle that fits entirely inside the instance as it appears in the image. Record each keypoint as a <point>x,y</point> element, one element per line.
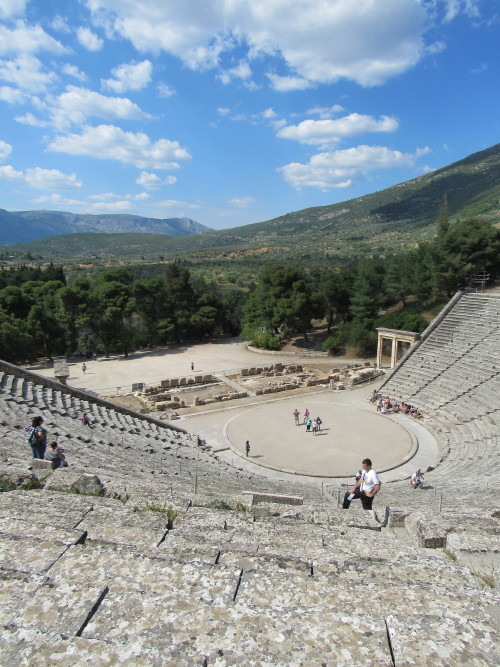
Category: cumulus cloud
<point>134,76</point>
<point>10,8</point>
<point>108,142</point>
<point>8,173</point>
<point>338,169</point>
<point>50,179</point>
<point>41,179</point>
<point>164,90</point>
<point>27,39</point>
<point>316,41</point>
<point>284,84</point>
<point>27,73</point>
<point>5,149</point>
<point>240,71</point>
<point>11,95</point>
<point>322,132</point>
<point>30,119</point>
<point>72,70</point>
<point>325,112</point>
<point>76,105</point>
<point>57,201</point>
<point>149,181</point>
<point>89,40</point>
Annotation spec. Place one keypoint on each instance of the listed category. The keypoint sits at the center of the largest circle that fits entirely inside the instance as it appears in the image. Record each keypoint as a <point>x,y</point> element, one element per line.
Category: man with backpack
<point>36,438</point>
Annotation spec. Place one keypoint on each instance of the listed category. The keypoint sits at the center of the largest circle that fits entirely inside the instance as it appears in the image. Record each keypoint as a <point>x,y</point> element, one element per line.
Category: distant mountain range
<point>387,221</point>
<point>26,226</point>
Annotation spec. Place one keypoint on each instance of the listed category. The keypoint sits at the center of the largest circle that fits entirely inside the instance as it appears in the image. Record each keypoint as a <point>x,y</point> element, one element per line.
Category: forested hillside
<point>378,224</point>
<point>115,312</point>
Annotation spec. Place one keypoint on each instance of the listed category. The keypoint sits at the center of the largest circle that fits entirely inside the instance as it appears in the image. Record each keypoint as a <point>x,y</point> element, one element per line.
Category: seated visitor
<point>417,479</point>
<point>367,486</point>
<point>55,454</point>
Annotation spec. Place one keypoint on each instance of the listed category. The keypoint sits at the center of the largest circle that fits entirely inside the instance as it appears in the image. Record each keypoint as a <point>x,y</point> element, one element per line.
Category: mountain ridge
<point>389,220</point>
<point>27,226</point>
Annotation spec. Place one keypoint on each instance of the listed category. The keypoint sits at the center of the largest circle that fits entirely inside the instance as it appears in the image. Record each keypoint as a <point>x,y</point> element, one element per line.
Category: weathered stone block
<point>89,484</point>
<point>41,464</point>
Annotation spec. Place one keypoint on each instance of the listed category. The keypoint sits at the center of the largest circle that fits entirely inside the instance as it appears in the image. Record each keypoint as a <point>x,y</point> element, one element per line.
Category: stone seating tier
<point>225,588</point>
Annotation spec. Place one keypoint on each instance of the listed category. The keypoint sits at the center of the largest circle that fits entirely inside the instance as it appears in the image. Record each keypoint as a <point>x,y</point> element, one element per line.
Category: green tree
<point>281,302</point>
<point>465,247</point>
<point>16,345</point>
<point>334,295</point>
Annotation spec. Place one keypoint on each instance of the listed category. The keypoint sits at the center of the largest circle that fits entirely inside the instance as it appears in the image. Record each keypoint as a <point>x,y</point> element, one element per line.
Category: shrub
<point>265,341</point>
<point>332,344</point>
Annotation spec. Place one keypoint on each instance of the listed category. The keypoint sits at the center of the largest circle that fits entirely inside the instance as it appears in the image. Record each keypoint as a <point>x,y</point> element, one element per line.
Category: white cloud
<point>452,8</point>
<point>129,77</point>
<point>105,196</point>
<point>285,84</point>
<point>174,204</point>
<point>27,39</point>
<point>269,113</point>
<point>72,70</point>
<point>89,40</point>
<point>59,24</point>
<point>240,71</point>
<point>26,73</point>
<point>77,104</point>
<point>223,111</point>
<point>337,169</point>
<point>164,90</point>
<point>142,196</point>
<point>149,181</point>
<point>41,179</point>
<point>50,179</point>
<point>10,8</point>
<point>76,205</point>
<point>325,112</point>
<point>323,132</point>
<point>316,41</point>
<point>8,173</point>
<point>108,142</point>
<point>11,95</point>
<point>5,149</point>
<point>242,202</point>
<point>30,119</point>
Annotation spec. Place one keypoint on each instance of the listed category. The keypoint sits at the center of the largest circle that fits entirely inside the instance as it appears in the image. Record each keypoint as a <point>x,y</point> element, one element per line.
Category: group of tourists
<point>312,425</point>
<point>36,438</point>
<point>389,404</point>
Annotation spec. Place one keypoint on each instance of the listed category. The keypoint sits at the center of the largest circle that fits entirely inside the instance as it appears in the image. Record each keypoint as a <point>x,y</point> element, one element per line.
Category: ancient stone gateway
<point>398,337</point>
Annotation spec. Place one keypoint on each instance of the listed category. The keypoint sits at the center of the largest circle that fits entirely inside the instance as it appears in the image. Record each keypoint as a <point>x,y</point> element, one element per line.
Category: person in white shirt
<point>367,486</point>
<point>417,479</point>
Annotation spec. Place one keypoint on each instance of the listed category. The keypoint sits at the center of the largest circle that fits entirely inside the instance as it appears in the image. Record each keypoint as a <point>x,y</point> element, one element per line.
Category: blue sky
<point>232,112</point>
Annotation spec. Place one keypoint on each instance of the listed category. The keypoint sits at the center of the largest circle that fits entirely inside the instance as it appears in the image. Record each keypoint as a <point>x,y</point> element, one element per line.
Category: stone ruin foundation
<point>174,394</point>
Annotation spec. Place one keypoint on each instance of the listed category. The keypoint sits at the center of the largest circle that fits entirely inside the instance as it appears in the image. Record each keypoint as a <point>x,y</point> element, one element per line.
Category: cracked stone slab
<point>451,641</point>
<point>55,509</point>
<point>32,530</point>
<point>33,556</point>
<point>123,526</point>
<point>60,607</point>
<point>29,647</point>
<point>148,614</point>
<point>16,589</point>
